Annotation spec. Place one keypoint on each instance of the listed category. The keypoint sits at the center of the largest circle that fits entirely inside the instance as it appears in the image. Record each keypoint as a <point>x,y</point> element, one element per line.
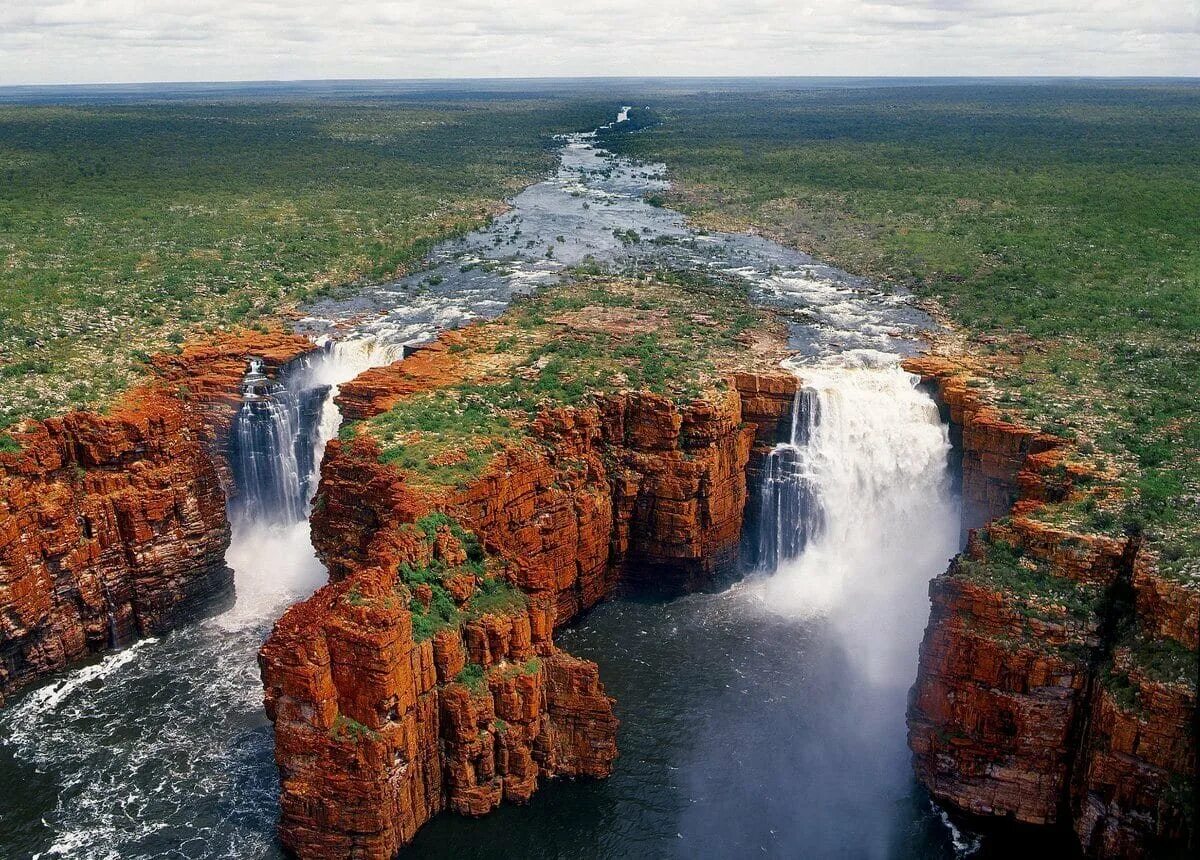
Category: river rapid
<point>763,718</point>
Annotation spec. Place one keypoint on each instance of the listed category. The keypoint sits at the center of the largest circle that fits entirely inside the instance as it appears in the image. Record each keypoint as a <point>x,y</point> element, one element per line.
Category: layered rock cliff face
<point>480,706</point>
<point>1057,675</point>
<point>113,525</point>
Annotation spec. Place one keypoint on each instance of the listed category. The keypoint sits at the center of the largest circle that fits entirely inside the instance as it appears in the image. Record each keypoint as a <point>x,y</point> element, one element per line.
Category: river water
<point>764,718</point>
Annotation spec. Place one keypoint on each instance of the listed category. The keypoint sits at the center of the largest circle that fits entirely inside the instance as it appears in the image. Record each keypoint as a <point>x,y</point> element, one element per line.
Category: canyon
<point>734,511</point>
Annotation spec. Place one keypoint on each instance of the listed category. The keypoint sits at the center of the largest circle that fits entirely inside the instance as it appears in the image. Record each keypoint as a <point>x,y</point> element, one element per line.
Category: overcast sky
<point>91,41</point>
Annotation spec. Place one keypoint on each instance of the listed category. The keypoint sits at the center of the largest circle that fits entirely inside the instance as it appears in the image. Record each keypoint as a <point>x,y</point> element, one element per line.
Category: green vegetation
<point>443,436</point>
<point>473,677</point>
<point>347,729</point>
<point>1038,592</point>
<point>1059,224</point>
<point>668,333</point>
<point>125,227</point>
<point>496,597</point>
<point>1165,660</point>
<point>491,594</point>
<point>1121,688</point>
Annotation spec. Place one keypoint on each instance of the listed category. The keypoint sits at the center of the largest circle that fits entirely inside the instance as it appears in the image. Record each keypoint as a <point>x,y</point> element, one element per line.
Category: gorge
<point>477,570</point>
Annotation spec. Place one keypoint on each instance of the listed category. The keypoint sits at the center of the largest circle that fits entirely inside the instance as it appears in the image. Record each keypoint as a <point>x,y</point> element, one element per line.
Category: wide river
<point>765,718</point>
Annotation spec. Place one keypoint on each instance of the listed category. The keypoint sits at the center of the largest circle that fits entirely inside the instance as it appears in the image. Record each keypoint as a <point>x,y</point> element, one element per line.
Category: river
<point>763,718</point>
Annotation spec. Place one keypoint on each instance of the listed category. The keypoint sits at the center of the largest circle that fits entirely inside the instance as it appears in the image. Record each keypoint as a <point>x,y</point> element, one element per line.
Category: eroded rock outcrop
<point>1057,675</point>
<point>453,707</point>
<point>113,525</point>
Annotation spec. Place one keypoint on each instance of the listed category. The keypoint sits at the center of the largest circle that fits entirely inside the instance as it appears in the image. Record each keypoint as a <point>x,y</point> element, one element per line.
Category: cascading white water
<point>266,433</point>
<point>140,780</point>
<point>271,552</point>
<point>869,460</point>
<point>790,513</point>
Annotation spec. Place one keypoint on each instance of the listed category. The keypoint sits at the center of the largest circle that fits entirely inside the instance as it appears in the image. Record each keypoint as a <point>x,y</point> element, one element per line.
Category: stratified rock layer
<point>630,482</point>
<point>113,526</point>
<point>1031,702</point>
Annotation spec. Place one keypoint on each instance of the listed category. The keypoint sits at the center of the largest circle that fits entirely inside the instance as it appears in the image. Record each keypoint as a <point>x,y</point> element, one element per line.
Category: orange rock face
<point>377,731</point>
<point>630,484</point>
<point>1028,707</point>
<point>113,526</point>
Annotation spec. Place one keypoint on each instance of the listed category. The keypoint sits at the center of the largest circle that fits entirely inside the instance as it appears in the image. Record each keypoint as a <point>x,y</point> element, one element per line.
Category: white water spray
<point>271,551</point>
<point>870,453</point>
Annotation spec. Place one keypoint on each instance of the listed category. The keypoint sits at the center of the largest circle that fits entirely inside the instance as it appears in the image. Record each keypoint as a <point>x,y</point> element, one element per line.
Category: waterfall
<point>791,514</point>
<point>267,434</point>
<point>279,441</point>
<point>859,509</point>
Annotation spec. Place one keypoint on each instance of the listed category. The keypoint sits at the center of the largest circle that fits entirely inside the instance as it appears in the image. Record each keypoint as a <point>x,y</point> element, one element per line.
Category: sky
<point>117,41</point>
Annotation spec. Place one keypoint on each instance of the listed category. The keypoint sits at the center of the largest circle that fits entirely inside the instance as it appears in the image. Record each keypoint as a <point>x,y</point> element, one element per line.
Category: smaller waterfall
<point>267,431</point>
<point>791,515</point>
<point>280,431</point>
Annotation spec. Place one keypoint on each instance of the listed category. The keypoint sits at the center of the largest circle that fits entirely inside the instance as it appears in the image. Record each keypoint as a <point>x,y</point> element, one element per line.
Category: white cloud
<point>75,41</point>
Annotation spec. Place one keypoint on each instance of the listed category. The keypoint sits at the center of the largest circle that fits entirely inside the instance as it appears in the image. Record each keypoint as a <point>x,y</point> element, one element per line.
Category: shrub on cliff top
<point>473,677</point>
<point>497,597</point>
<point>1029,580</point>
<point>349,729</point>
<point>439,615</point>
<point>430,523</point>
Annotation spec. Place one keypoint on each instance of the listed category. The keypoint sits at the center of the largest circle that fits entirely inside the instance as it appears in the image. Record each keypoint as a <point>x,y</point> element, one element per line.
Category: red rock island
<point>487,490</point>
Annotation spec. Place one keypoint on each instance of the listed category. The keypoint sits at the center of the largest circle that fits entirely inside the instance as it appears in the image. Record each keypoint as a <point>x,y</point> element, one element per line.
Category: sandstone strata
<point>622,484</point>
<point>113,525</point>
<point>1035,699</point>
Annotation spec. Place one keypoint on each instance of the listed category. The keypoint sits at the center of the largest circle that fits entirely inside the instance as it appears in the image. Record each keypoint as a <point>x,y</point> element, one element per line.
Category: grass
<point>495,597</point>
<point>473,677</point>
<point>1039,592</point>
<point>1058,224</point>
<point>348,730</point>
<point>125,227</point>
<point>1165,660</point>
<point>663,332</point>
<point>492,595</point>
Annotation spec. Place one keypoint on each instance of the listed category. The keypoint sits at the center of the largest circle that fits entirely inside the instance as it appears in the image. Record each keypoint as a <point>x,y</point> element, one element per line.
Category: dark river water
<point>763,719</point>
<point>743,734</point>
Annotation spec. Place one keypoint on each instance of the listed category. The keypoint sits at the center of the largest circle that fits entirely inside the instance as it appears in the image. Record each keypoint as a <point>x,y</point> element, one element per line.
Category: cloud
<point>81,41</point>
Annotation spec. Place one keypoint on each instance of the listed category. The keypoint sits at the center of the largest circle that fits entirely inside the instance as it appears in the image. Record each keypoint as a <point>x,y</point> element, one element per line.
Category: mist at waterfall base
<point>163,749</point>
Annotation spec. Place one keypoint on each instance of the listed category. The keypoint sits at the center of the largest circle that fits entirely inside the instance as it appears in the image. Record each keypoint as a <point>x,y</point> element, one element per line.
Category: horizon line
<point>586,78</point>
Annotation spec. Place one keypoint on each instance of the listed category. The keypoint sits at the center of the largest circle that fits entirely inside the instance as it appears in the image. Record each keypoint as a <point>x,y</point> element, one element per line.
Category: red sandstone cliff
<point>1030,701</point>
<point>113,525</point>
<point>630,483</point>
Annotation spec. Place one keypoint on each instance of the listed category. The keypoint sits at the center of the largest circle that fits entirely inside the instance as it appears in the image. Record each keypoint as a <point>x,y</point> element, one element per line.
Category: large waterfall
<point>863,508</point>
<point>859,512</point>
